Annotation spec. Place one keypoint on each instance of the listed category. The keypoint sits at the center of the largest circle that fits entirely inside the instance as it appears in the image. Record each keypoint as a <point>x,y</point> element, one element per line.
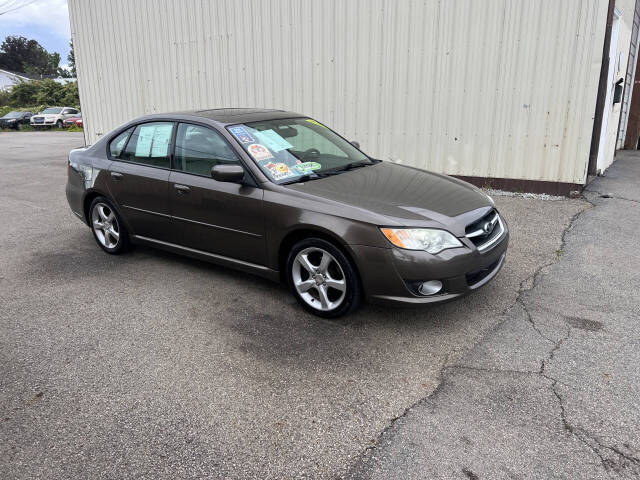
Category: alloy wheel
<point>105,225</point>
<point>319,279</point>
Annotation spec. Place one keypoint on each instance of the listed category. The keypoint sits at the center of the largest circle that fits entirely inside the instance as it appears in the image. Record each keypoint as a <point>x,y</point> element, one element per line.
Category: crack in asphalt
<point>578,432</point>
<point>527,285</point>
<point>609,196</point>
<point>405,412</point>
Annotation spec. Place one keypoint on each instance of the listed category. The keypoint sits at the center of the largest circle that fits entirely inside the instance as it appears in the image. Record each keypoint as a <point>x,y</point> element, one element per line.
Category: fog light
<point>430,288</point>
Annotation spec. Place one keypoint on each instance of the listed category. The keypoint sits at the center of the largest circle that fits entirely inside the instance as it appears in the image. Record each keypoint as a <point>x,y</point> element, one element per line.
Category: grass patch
<point>29,128</point>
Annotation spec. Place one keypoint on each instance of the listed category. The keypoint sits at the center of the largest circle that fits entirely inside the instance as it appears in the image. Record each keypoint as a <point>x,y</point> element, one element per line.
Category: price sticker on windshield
<point>259,152</point>
<point>241,134</point>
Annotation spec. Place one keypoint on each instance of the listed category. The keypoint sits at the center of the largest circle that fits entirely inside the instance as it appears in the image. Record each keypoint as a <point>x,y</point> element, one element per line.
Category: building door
<point>608,103</point>
<point>629,81</point>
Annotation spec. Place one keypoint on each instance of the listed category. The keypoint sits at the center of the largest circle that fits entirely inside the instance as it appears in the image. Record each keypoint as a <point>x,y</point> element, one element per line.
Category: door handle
<point>116,175</point>
<point>182,189</point>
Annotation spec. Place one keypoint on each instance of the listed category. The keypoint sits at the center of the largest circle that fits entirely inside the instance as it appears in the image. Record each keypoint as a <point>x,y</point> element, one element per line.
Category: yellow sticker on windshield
<point>310,120</point>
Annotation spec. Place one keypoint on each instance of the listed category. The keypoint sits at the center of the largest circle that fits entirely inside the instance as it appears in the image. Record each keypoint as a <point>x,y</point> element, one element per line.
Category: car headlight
<point>427,239</point>
<point>11,120</point>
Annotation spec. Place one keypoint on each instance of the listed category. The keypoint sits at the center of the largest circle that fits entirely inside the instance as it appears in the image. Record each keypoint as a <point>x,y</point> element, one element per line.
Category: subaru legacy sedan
<point>281,195</point>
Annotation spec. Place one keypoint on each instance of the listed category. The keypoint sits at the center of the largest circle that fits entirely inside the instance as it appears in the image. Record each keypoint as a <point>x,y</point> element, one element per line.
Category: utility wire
<point>10,6</point>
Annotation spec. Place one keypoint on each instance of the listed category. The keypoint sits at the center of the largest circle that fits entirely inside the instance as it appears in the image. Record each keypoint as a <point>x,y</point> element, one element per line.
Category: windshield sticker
<point>259,152</point>
<point>241,134</point>
<point>307,167</point>
<point>310,120</point>
<point>273,141</point>
<point>278,171</point>
<point>282,171</point>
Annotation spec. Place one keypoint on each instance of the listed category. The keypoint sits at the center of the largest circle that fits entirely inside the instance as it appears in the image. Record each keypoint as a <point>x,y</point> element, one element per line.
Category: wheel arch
<point>90,196</point>
<point>294,236</point>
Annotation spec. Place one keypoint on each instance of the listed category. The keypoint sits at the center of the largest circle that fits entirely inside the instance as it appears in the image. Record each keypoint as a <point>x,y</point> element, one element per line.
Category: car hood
<point>47,115</point>
<point>404,195</point>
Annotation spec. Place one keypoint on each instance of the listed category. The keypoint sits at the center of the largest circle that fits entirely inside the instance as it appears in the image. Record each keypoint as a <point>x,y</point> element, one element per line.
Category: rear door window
<point>149,144</point>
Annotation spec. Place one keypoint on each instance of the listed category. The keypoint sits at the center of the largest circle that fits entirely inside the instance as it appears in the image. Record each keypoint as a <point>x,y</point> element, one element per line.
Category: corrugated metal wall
<point>491,88</point>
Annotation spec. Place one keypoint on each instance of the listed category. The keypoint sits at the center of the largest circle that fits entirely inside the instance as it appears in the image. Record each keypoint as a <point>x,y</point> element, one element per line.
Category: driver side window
<point>199,149</point>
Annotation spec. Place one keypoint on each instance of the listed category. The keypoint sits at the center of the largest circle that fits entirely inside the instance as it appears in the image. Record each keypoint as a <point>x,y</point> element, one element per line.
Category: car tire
<point>323,279</point>
<point>59,124</point>
<point>107,226</point>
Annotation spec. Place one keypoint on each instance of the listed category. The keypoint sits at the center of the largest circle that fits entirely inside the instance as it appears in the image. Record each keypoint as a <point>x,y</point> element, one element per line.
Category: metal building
<point>517,94</point>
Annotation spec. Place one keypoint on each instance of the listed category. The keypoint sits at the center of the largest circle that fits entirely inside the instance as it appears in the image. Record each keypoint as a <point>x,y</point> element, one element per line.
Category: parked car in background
<point>53,117</point>
<point>76,120</point>
<point>280,195</point>
<point>15,119</point>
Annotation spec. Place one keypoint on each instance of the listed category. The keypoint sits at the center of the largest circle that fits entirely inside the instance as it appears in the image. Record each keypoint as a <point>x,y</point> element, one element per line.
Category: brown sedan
<point>280,195</point>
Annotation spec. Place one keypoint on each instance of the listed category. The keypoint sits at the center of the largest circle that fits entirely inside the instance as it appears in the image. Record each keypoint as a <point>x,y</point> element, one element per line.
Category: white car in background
<point>53,117</point>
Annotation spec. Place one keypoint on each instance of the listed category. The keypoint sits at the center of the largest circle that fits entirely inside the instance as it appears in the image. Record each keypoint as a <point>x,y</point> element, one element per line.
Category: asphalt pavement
<point>552,391</point>
<point>152,365</point>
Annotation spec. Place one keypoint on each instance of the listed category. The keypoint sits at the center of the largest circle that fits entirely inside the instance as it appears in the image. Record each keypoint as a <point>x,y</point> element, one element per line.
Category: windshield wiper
<point>304,178</point>
<point>350,166</point>
<point>335,171</point>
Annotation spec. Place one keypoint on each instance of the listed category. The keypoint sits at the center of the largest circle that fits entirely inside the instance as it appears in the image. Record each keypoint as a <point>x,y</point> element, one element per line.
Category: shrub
<point>41,92</point>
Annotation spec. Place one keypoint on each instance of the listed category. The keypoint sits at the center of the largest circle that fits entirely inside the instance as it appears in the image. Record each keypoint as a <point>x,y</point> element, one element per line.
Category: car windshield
<point>52,110</point>
<point>13,115</point>
<point>296,149</point>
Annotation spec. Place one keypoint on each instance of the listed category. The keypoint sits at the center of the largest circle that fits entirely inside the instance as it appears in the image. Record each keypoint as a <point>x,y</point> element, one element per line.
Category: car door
<point>217,217</point>
<point>138,178</point>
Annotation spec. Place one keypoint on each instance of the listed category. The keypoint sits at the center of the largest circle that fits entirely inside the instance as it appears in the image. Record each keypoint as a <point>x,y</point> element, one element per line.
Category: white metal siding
<point>491,88</point>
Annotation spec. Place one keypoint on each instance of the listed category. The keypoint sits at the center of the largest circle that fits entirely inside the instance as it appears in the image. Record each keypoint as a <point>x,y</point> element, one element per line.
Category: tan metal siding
<point>491,88</point>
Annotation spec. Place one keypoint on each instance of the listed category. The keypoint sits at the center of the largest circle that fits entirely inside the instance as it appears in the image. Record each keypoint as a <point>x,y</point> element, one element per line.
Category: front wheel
<point>59,124</point>
<point>323,279</point>
<point>107,227</point>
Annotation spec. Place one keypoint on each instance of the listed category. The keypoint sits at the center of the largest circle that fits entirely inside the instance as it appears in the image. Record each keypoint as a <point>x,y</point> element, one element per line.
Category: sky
<point>46,21</point>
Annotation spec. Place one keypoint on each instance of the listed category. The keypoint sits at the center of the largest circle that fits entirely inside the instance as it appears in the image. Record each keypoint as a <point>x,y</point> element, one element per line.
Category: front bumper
<point>45,123</point>
<point>388,274</point>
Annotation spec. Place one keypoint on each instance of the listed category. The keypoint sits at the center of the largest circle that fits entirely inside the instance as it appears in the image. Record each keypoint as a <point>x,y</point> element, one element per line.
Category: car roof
<point>239,115</point>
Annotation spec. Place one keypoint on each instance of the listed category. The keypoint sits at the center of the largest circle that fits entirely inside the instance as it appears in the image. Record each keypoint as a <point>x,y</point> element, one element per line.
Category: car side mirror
<point>355,144</point>
<point>227,173</point>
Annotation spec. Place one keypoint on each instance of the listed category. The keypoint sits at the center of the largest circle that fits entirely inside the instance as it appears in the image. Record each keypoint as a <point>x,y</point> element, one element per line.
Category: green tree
<point>19,54</point>
<point>71,58</point>
<point>23,94</point>
<point>42,92</point>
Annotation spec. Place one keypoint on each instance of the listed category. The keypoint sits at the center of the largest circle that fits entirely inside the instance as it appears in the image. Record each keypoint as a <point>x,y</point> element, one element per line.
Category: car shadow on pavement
<point>261,318</point>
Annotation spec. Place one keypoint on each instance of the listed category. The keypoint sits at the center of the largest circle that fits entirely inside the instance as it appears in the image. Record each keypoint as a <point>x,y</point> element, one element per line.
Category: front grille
<point>38,120</point>
<point>486,231</point>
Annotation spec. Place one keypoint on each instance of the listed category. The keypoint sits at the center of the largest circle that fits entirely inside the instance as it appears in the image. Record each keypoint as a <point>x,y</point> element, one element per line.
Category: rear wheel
<point>107,227</point>
<point>323,279</point>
